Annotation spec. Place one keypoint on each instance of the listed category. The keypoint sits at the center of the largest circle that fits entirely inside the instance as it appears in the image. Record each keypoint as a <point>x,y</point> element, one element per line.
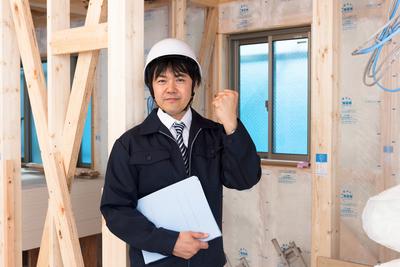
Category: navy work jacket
<point>147,158</point>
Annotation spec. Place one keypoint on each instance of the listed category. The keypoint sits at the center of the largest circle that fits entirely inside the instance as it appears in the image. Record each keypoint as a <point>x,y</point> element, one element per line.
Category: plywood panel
<point>278,207</point>
<point>250,15</point>
<point>363,163</point>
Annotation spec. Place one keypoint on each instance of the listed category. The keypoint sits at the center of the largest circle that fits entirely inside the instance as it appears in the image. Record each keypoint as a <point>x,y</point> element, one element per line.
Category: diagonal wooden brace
<point>52,160</point>
<point>76,112</point>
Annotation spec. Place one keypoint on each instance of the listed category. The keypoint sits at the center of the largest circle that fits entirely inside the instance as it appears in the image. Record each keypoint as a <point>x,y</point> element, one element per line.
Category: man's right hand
<point>188,244</point>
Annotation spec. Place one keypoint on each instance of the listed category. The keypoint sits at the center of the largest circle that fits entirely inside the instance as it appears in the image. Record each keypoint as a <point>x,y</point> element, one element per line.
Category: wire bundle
<point>374,72</point>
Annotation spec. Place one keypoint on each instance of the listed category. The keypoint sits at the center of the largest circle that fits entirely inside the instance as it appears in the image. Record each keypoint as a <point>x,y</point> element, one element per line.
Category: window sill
<point>286,163</point>
<point>80,172</point>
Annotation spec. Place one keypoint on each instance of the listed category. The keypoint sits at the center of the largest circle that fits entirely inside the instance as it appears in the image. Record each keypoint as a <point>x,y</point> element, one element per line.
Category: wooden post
<point>58,81</point>
<point>219,73</point>
<point>10,143</point>
<point>178,19</point>
<point>205,57</point>
<point>324,125</point>
<point>125,91</point>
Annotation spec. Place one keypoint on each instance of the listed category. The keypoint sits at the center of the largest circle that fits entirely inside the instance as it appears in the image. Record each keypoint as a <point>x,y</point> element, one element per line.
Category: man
<point>174,142</point>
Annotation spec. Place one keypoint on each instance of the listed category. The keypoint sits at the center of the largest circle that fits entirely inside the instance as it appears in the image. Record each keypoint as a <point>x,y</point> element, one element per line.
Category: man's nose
<point>171,85</point>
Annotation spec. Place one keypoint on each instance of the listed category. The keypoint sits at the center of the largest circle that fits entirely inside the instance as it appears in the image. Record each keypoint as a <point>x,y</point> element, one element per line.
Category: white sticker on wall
<point>348,207</point>
<point>321,162</point>
<point>347,112</point>
<point>287,177</point>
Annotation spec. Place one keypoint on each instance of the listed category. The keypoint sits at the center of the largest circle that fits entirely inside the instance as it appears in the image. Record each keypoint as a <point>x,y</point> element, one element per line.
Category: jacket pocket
<point>145,157</point>
<point>207,151</point>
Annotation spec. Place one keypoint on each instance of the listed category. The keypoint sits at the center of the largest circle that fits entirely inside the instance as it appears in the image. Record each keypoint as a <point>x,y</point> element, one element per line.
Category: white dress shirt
<point>168,121</point>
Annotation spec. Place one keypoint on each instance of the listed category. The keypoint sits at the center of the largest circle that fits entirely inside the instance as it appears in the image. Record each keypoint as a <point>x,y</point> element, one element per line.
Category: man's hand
<point>188,244</point>
<point>225,108</point>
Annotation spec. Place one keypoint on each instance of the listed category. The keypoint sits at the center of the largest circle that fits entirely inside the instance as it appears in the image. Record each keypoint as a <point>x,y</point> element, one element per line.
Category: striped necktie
<point>179,140</point>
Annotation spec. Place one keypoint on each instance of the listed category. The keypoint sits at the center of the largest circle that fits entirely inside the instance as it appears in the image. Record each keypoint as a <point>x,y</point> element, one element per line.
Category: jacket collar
<point>152,123</point>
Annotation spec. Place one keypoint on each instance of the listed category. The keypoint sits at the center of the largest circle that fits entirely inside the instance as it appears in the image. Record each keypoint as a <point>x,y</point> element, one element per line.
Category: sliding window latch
<point>266,105</point>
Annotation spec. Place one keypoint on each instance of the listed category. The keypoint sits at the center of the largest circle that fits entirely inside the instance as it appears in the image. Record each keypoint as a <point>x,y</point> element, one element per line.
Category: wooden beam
<point>82,87</point>
<point>155,4</point>
<point>10,143</point>
<point>178,19</point>
<point>58,81</point>
<point>327,262</point>
<point>324,124</point>
<point>76,7</point>
<point>208,40</point>
<point>205,3</point>
<point>80,39</point>
<point>219,73</point>
<point>11,248</point>
<point>52,161</point>
<point>205,56</point>
<point>125,92</point>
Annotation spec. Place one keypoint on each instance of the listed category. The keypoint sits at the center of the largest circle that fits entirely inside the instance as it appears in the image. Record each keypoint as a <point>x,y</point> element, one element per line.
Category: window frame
<point>235,41</point>
<point>27,159</point>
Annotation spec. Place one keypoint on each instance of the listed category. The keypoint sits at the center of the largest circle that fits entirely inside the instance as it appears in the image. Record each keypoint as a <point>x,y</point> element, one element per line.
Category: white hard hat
<point>170,47</point>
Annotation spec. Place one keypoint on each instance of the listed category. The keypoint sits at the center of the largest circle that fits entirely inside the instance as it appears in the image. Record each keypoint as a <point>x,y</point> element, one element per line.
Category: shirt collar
<point>167,120</point>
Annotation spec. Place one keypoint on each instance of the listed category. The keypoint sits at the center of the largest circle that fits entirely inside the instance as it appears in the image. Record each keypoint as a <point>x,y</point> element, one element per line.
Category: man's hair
<point>179,64</point>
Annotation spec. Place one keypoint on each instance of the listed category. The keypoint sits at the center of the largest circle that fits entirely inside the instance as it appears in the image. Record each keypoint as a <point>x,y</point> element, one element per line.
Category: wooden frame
<point>324,121</point>
<point>10,144</point>
<point>268,37</point>
<point>60,146</point>
<point>58,175</point>
<point>125,90</point>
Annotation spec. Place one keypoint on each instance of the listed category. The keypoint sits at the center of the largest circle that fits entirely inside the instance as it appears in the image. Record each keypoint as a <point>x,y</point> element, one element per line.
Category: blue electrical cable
<point>391,29</point>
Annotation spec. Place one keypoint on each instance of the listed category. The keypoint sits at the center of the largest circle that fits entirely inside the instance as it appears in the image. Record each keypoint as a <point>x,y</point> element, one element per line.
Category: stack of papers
<point>179,207</point>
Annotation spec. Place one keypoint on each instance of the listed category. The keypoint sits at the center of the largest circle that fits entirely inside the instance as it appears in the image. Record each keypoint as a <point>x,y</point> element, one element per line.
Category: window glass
<point>290,96</point>
<point>253,95</point>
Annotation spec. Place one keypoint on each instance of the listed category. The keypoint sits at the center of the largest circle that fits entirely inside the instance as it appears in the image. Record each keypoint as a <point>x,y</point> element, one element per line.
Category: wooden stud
<point>327,262</point>
<point>205,56</point>
<point>58,80</point>
<point>10,254</point>
<point>125,92</point>
<point>219,73</point>
<point>52,161</point>
<point>178,19</point>
<point>10,143</point>
<point>324,120</point>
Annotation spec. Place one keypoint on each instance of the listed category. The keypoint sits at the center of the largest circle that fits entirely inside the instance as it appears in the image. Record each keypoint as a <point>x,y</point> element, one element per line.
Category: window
<point>271,71</point>
<point>30,151</point>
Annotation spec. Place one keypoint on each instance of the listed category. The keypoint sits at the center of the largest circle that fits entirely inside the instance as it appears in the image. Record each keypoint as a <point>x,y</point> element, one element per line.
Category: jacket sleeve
<point>118,206</point>
<point>241,167</point>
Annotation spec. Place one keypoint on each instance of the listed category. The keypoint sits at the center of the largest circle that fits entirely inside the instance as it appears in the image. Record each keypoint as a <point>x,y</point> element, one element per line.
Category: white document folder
<point>179,207</point>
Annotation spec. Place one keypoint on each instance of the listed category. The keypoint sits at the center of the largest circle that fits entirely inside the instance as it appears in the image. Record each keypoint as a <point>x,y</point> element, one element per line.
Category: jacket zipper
<point>190,151</point>
<point>190,159</point>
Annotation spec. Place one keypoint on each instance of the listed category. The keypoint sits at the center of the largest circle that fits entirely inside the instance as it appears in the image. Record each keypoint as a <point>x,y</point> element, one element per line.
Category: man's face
<point>172,92</point>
